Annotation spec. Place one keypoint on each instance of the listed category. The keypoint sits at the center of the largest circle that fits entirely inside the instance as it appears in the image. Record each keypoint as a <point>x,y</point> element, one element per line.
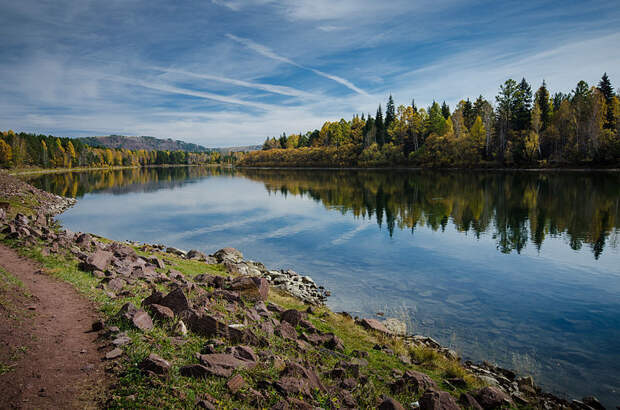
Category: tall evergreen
<point>608,92</point>
<point>380,126</point>
<point>468,114</point>
<point>415,108</point>
<point>390,115</point>
<point>445,110</point>
<point>544,102</point>
<point>523,106</point>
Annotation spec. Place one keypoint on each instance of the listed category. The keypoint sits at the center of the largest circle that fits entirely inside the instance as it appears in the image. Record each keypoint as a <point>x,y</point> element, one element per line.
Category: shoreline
<point>519,391</point>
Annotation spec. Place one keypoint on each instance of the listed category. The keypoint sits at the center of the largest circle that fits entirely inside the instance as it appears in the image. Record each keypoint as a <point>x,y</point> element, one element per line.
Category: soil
<point>45,336</point>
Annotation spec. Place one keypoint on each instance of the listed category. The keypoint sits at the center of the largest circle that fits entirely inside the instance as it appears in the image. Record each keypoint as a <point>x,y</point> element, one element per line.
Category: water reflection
<point>517,208</point>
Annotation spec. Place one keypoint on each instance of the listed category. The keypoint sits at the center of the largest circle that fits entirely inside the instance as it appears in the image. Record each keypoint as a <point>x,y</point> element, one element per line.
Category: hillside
<point>157,144</point>
<point>143,142</point>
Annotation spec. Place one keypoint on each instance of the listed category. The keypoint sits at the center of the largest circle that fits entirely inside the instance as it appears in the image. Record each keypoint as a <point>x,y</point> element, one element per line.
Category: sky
<point>233,72</point>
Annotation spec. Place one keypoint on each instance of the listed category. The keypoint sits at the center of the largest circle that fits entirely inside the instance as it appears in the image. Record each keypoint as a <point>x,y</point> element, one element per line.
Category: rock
<point>176,300</point>
<point>251,288</point>
<point>468,401</point>
<point>374,324</point>
<point>395,326</point>
<point>415,381</point>
<point>116,284</point>
<point>176,251</point>
<point>127,311</point>
<point>222,364</point>
<point>194,254</point>
<point>114,353</point>
<point>197,370</point>
<point>291,316</point>
<point>438,400</point>
<point>334,343</point>
<point>121,341</point>
<point>491,397</point>
<point>292,386</point>
<point>99,260</point>
<point>157,262</point>
<point>389,403</point>
<point>161,312</point>
<point>244,353</point>
<point>154,363</point>
<point>97,326</point>
<point>235,383</point>
<point>286,331</point>
<point>299,372</point>
<point>180,329</point>
<point>230,254</point>
<point>155,297</point>
<point>84,241</point>
<point>142,320</point>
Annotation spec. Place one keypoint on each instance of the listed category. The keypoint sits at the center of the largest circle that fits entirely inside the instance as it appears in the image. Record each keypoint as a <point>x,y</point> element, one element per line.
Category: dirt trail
<point>58,364</point>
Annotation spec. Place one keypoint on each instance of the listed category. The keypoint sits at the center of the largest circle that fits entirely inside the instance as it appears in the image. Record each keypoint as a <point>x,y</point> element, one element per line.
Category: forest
<point>20,150</point>
<point>522,129</point>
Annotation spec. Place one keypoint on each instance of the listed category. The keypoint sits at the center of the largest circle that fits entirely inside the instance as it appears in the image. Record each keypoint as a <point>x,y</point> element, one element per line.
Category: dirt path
<point>56,361</point>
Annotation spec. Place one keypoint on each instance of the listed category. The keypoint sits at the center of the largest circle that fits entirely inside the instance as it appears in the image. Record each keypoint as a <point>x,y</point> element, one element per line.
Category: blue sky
<point>231,72</point>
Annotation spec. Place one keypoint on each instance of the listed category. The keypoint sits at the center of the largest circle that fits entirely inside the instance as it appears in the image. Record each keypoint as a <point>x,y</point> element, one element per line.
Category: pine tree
<point>445,110</point>
<point>544,102</point>
<point>390,115</point>
<point>523,106</point>
<point>608,92</point>
<point>468,114</point>
<point>380,126</point>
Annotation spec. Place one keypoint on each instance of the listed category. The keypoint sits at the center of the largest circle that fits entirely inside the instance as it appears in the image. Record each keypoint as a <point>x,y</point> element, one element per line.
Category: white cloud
<point>267,52</point>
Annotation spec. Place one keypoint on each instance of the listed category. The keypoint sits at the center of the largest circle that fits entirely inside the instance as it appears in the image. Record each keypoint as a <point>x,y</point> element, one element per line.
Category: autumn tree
<point>6,153</point>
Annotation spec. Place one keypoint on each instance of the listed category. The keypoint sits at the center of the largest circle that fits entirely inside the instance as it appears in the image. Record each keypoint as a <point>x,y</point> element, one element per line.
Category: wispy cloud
<point>167,88</point>
<point>276,89</point>
<point>267,52</point>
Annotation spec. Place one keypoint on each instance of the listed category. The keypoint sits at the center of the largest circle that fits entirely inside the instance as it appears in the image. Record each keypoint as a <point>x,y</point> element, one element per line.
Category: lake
<point>519,268</point>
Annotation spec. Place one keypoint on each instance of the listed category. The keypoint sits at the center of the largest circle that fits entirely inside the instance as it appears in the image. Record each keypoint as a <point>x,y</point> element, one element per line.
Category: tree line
<point>18,150</point>
<point>522,128</point>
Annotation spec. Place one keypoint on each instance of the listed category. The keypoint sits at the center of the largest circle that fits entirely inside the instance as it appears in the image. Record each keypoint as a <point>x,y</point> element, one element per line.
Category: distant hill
<point>157,144</point>
<point>246,148</point>
<point>143,142</point>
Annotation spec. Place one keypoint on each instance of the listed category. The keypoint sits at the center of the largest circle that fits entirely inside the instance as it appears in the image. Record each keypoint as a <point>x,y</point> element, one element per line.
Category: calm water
<point>519,268</point>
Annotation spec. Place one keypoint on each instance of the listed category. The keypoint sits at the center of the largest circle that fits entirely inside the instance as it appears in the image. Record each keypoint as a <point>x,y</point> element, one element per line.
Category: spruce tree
<point>544,102</point>
<point>468,114</point>
<point>445,110</point>
<point>390,113</point>
<point>608,92</point>
<point>523,106</point>
<point>380,125</point>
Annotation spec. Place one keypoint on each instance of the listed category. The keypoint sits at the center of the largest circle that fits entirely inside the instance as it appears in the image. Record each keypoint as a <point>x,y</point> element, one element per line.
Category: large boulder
<point>251,288</point>
<point>293,316</point>
<point>491,397</point>
<point>138,317</point>
<point>438,400</point>
<point>229,254</point>
<point>413,381</point>
<point>197,255</point>
<point>176,300</point>
<point>389,403</point>
<point>99,260</point>
<point>374,324</point>
<point>209,326</point>
<point>154,363</point>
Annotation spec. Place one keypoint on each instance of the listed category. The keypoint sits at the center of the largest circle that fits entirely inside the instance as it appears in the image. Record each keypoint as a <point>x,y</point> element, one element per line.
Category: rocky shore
<point>242,336</point>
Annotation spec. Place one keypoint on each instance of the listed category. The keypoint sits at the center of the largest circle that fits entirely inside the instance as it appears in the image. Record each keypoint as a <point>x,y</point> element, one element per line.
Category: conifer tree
<point>445,110</point>
<point>390,115</point>
<point>608,92</point>
<point>380,126</point>
<point>544,102</point>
